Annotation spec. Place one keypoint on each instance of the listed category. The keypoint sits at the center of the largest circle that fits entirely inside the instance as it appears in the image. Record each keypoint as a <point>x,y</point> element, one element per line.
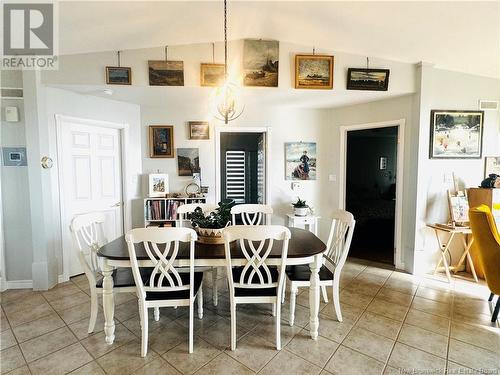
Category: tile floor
<point>392,321</point>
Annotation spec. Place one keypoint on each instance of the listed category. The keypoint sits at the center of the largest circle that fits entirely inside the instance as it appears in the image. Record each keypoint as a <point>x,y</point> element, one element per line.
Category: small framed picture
<point>166,73</point>
<point>313,72</point>
<point>199,130</point>
<point>367,79</point>
<point>161,141</point>
<point>491,165</point>
<point>459,208</point>
<point>188,161</point>
<point>118,75</point>
<point>212,75</point>
<point>158,185</point>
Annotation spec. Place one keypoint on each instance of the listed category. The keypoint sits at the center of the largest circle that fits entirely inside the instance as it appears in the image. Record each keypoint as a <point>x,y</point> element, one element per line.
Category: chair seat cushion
<point>303,273</point>
<point>255,292</point>
<point>181,294</point>
<point>123,277</point>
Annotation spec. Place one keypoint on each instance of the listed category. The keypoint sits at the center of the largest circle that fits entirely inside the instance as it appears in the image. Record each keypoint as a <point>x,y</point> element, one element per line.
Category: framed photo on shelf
<point>161,141</point>
<point>368,79</point>
<point>314,72</point>
<point>199,130</point>
<point>491,165</point>
<point>456,134</point>
<point>118,75</point>
<point>158,185</point>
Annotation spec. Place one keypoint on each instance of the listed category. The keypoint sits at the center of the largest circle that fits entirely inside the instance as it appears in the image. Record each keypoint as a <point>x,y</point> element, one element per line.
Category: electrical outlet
<point>295,186</point>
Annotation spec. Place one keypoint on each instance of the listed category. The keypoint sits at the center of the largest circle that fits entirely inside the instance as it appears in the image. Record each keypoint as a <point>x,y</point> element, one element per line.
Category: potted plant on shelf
<point>209,227</point>
<point>300,208</point>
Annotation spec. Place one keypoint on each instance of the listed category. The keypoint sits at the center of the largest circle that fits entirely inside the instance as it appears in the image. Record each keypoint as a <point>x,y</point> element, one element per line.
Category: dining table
<point>304,247</point>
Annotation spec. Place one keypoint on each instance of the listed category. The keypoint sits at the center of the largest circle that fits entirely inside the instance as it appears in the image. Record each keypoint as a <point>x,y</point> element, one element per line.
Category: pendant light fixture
<point>226,96</point>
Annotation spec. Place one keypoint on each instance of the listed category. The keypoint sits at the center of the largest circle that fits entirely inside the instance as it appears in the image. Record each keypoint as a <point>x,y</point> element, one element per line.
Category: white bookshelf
<point>160,211</point>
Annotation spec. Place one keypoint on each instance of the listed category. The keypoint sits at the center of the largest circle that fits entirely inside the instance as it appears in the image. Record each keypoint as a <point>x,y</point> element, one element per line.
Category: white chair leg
<point>144,329</point>
<point>324,293</point>
<point>274,309</point>
<point>94,306</point>
<point>336,298</point>
<point>233,326</point>
<point>278,325</point>
<point>214,286</point>
<point>190,348</point>
<point>156,314</point>
<point>200,303</point>
<point>293,297</point>
<point>284,292</point>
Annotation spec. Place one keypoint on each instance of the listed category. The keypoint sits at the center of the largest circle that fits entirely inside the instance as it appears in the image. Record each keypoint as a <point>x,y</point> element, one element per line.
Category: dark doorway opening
<point>371,191</point>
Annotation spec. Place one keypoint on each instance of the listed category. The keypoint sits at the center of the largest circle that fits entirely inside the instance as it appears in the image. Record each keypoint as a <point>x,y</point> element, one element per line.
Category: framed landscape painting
<point>161,141</point>
<point>212,75</point>
<point>118,75</point>
<point>456,134</point>
<point>199,130</point>
<point>260,62</point>
<point>368,79</point>
<point>314,72</point>
<point>188,161</point>
<point>166,73</point>
<point>300,161</point>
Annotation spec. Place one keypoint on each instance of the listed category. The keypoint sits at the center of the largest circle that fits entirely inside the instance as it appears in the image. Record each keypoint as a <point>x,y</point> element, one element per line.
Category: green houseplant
<point>300,207</point>
<point>209,226</point>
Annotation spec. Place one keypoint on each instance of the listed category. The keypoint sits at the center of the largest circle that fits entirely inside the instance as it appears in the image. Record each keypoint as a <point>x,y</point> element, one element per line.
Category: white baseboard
<point>62,279</point>
<point>17,284</point>
<point>3,287</point>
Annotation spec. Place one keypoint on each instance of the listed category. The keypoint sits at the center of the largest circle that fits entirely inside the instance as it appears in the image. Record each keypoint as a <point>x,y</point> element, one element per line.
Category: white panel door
<point>91,181</point>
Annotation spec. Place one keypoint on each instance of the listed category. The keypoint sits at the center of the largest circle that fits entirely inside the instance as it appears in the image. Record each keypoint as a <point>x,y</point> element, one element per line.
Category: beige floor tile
<point>15,295</point>
<point>24,370</point>
<point>157,366</point>
<point>387,309</point>
<point>253,351</point>
<point>371,279</point>
<point>403,286</point>
<point>391,371</point>
<point>134,324</point>
<point>455,368</point>
<point>369,343</point>
<point>224,364</point>
<point>33,313</point>
<point>464,316</point>
<point>380,325</point>
<point>394,296</point>
<point>125,359</point>
<point>4,324</point>
<point>445,296</point>
<point>290,363</point>
<point>77,313</point>
<point>61,291</point>
<point>91,368</point>
<point>167,337</point>
<point>80,328</point>
<point>333,329</point>
<point>349,312</point>
<point>315,351</point>
<point>430,322</point>
<point>267,330</point>
<point>472,306</point>
<point>7,339</point>
<point>62,361</point>
<point>38,327</point>
<point>68,301</point>
<point>355,299</point>
<point>303,299</point>
<point>301,318</point>
<point>484,337</point>
<point>40,346</point>
<point>96,344</point>
<point>472,356</point>
<point>186,363</point>
<point>11,359</point>
<point>431,307</point>
<point>346,361</point>
<point>126,310</point>
<point>360,286</point>
<point>407,358</point>
<point>379,270</point>
<point>26,303</point>
<point>424,340</point>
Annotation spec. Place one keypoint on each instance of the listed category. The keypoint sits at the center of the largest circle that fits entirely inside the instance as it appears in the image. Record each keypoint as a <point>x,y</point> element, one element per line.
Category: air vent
<point>488,105</point>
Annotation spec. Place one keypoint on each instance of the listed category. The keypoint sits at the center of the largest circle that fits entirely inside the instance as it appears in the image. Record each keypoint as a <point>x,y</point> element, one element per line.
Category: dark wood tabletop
<point>302,244</point>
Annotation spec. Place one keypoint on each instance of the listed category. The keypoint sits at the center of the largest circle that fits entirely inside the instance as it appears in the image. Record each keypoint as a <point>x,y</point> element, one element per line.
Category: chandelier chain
<point>225,39</point>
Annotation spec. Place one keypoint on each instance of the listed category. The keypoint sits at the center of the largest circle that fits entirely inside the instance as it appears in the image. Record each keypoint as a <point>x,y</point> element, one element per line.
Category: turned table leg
<point>108,303</point>
<point>314,293</point>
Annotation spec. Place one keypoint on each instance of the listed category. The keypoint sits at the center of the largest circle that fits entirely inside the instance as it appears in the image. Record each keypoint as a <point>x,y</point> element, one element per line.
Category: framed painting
<point>491,165</point>
<point>161,141</point>
<point>199,130</point>
<point>188,161</point>
<point>260,62</point>
<point>300,161</point>
<point>456,134</point>
<point>212,75</point>
<point>158,185</point>
<point>166,73</point>
<point>368,79</point>
<point>118,75</point>
<point>314,72</point>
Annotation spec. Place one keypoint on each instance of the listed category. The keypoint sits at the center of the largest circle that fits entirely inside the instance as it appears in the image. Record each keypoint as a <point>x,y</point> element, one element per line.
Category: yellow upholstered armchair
<point>487,240</point>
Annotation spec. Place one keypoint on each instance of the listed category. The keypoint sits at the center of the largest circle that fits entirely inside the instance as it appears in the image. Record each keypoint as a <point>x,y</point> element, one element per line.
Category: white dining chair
<point>165,286</point>
<point>88,235</point>
<point>334,257</point>
<point>255,281</point>
<point>252,214</point>
<point>183,212</point>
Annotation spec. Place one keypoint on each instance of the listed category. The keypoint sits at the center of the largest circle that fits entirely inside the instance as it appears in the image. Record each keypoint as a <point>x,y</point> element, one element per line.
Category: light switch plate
<point>295,186</point>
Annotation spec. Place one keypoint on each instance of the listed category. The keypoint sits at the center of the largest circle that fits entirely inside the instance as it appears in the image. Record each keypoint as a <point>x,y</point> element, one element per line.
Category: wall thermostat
<point>14,156</point>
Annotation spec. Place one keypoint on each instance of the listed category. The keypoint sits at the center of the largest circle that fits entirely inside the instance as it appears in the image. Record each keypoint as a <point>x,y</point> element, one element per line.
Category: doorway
<point>371,189</point>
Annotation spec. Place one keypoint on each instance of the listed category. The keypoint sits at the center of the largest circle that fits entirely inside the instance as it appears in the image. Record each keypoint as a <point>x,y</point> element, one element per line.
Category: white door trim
<point>124,136</point>
<point>242,129</point>
<point>398,253</point>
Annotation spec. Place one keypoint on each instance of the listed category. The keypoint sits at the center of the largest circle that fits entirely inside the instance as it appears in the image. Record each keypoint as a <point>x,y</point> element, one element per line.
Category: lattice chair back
<point>252,214</point>
<point>339,240</point>
<point>256,244</point>
<point>88,234</point>
<point>186,209</point>
<point>161,246</point>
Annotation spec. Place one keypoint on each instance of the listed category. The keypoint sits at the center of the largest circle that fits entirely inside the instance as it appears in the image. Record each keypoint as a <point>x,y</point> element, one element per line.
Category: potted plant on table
<point>300,207</point>
<point>209,227</point>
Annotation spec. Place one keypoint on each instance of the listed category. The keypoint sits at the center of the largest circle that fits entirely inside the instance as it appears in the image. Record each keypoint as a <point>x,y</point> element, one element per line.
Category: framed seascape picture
<point>491,165</point>
<point>118,75</point>
<point>199,130</point>
<point>260,62</point>
<point>313,72</point>
<point>158,185</point>
<point>300,161</point>
<point>188,161</point>
<point>166,73</point>
<point>212,75</point>
<point>161,141</point>
<point>367,79</point>
<point>456,134</point>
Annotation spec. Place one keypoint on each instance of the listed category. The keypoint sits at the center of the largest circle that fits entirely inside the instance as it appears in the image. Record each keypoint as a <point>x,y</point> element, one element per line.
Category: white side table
<point>309,222</point>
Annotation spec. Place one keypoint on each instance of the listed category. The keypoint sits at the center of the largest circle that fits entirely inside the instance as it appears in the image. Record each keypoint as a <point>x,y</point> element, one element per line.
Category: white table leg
<point>108,303</point>
<point>314,293</point>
